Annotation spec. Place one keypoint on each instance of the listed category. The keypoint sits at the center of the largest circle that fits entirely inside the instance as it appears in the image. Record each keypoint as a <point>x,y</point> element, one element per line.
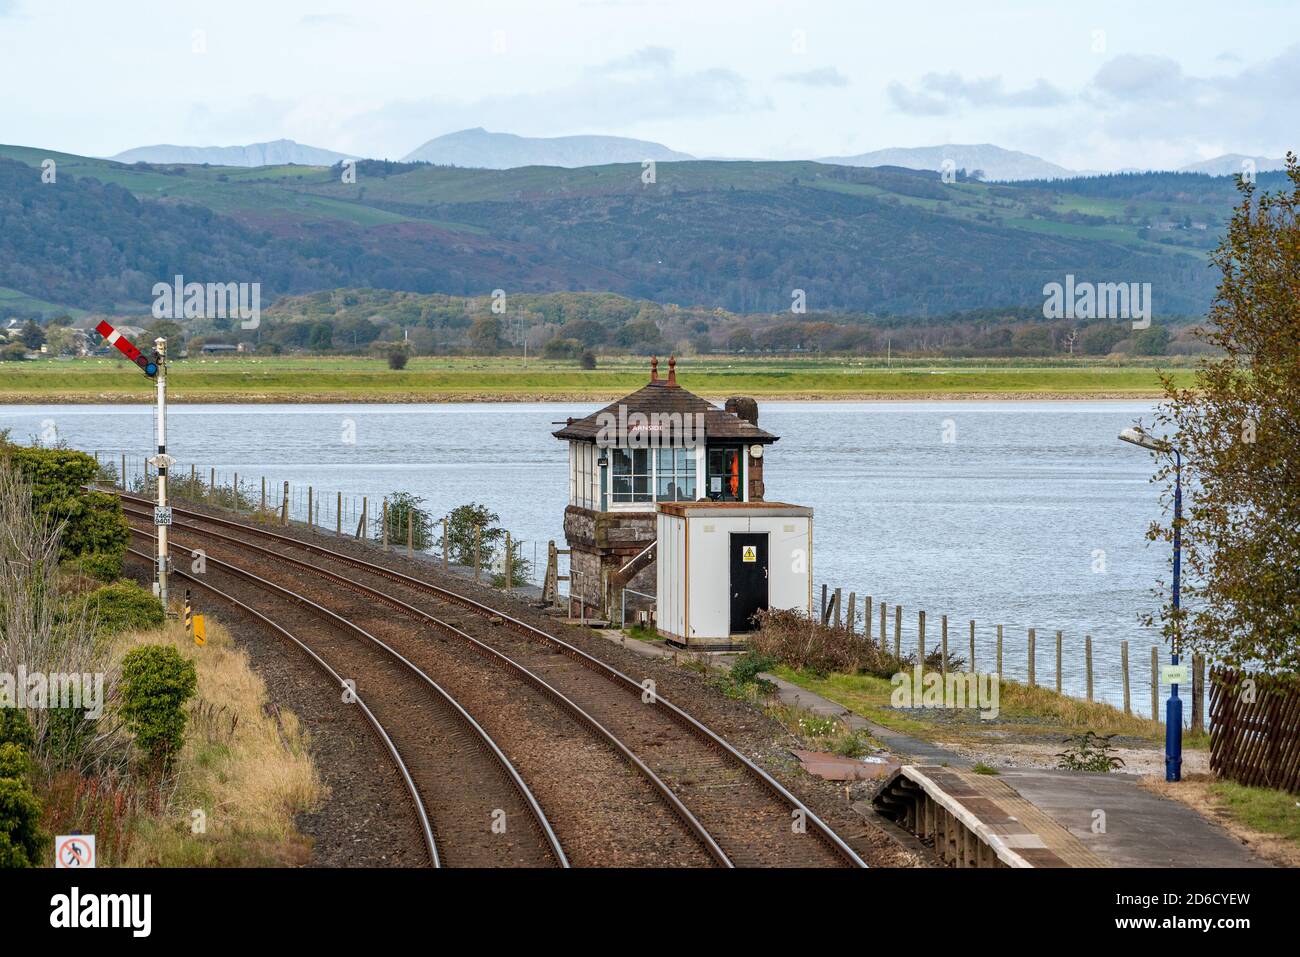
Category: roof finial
<point>654,368</point>
<point>672,370</point>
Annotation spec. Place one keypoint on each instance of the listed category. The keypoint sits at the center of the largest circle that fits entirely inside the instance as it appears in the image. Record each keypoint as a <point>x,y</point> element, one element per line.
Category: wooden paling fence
<point>1255,729</point>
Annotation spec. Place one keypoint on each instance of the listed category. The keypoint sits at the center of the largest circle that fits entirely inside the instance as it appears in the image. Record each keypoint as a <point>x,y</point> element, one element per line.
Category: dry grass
<point>244,765</point>
<point>1265,820</point>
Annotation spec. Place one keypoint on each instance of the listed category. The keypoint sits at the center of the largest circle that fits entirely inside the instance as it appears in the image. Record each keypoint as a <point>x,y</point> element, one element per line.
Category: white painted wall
<point>693,567</point>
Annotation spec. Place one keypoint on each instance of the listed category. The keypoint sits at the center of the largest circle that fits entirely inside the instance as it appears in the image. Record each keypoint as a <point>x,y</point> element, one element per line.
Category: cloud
<point>940,94</point>
<point>1253,110</point>
<point>614,95</point>
<point>823,77</point>
<point>1141,79</point>
<point>321,19</point>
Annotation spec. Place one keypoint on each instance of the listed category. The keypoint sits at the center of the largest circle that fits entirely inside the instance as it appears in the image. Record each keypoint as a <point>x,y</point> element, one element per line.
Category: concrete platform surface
<point>1141,829</point>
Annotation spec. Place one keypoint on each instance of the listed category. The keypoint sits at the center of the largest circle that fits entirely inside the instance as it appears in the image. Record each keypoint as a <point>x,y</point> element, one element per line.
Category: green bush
<point>746,668</point>
<point>14,762</point>
<point>16,729</point>
<point>21,840</point>
<point>404,507</point>
<point>104,566</point>
<point>156,683</point>
<point>94,521</point>
<point>122,606</point>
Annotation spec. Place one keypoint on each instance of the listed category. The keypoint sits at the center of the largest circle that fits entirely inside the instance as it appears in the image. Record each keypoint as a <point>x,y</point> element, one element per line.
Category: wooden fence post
<point>122,477</point>
<point>849,618</point>
<point>410,534</point>
<point>999,652</point>
<point>898,631</point>
<point>362,532</point>
<point>263,508</point>
<point>444,543</point>
<point>1087,655</point>
<point>825,612</point>
<point>884,637</point>
<point>234,494</point>
<point>338,516</point>
<point>836,603</point>
<point>866,619</point>
<point>1032,641</point>
<point>1198,692</point>
<point>943,630</point>
<point>311,506</point>
<point>1058,662</point>
<point>920,639</point>
<point>384,521</point>
<point>1123,664</point>
<point>972,644</point>
<point>284,504</point>
<point>212,482</point>
<point>1155,683</point>
<point>478,537</point>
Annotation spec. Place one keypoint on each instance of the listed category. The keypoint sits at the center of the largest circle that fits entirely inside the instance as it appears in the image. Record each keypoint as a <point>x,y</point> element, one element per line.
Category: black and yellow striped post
<point>189,614</point>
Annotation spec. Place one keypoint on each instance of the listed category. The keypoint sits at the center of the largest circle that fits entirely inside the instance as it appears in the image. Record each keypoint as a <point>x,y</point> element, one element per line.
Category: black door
<point>748,578</point>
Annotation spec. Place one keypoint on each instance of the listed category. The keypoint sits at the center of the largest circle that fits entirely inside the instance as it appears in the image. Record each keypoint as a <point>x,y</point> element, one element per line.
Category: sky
<point>1088,85</point>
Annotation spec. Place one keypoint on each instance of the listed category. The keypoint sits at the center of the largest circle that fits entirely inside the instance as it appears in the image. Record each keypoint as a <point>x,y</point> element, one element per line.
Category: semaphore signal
<point>154,366</point>
<point>149,364</point>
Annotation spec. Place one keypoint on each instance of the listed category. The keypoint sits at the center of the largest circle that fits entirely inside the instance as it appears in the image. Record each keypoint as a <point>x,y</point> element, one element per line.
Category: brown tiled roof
<point>665,395</point>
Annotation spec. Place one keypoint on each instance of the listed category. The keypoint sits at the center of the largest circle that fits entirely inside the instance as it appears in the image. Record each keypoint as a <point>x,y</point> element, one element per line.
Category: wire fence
<point>1037,658</point>
<point>357,515</point>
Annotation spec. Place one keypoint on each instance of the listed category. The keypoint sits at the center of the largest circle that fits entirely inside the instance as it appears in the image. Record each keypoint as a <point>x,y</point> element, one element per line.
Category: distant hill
<point>740,236</point>
<point>275,153</point>
<point>481,149</point>
<point>1230,163</point>
<point>996,162</point>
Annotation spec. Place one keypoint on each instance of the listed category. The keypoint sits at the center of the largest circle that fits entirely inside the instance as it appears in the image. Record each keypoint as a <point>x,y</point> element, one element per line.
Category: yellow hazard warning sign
<point>750,554</point>
<point>200,631</point>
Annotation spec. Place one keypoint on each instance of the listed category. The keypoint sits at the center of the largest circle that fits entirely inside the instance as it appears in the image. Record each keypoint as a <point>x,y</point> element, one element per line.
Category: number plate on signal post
<point>162,515</point>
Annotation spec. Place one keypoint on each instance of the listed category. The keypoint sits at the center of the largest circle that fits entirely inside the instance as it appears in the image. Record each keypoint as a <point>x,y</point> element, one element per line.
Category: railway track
<point>751,818</point>
<point>412,793</point>
<point>468,796</point>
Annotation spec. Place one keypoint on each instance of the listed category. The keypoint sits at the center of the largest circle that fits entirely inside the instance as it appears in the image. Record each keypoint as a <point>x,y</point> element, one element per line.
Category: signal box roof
<point>666,396</point>
<point>705,508</point>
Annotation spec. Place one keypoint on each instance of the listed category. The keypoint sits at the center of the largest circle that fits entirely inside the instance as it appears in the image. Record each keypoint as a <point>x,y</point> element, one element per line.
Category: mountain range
<point>482,149</point>
<point>274,153</point>
<point>995,162</point>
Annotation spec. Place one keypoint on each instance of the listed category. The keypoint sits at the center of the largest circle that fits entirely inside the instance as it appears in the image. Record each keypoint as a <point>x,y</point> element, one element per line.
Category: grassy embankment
<point>244,765</point>
<point>1037,711</point>
<point>434,379</point>
<point>241,776</point>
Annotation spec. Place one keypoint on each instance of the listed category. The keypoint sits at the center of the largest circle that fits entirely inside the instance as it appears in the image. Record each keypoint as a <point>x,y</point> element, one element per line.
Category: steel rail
<point>674,803</point>
<point>412,792</point>
<point>818,827</point>
<point>485,740</point>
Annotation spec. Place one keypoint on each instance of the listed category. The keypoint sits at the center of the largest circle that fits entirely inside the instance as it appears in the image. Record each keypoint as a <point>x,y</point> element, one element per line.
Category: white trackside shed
<point>720,562</point>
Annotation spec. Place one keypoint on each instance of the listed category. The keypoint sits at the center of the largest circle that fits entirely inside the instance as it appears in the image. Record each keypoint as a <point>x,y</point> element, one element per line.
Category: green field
<point>351,379</point>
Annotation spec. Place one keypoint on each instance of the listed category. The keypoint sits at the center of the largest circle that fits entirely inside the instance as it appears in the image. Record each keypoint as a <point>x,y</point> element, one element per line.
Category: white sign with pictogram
<point>750,554</point>
<point>74,850</point>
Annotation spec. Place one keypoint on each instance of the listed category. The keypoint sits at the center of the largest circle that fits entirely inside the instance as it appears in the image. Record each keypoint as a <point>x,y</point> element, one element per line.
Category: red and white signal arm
<point>74,851</point>
<point>127,348</point>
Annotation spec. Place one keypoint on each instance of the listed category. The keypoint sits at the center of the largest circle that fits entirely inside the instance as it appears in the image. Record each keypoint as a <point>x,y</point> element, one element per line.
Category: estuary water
<point>1025,514</point>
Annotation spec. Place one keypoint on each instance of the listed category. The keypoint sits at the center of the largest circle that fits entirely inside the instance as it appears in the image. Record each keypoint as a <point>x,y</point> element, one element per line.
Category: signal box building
<point>661,444</point>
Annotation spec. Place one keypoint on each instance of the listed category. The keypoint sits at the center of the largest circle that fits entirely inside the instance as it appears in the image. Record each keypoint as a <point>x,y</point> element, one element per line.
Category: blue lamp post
<point>1174,706</point>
